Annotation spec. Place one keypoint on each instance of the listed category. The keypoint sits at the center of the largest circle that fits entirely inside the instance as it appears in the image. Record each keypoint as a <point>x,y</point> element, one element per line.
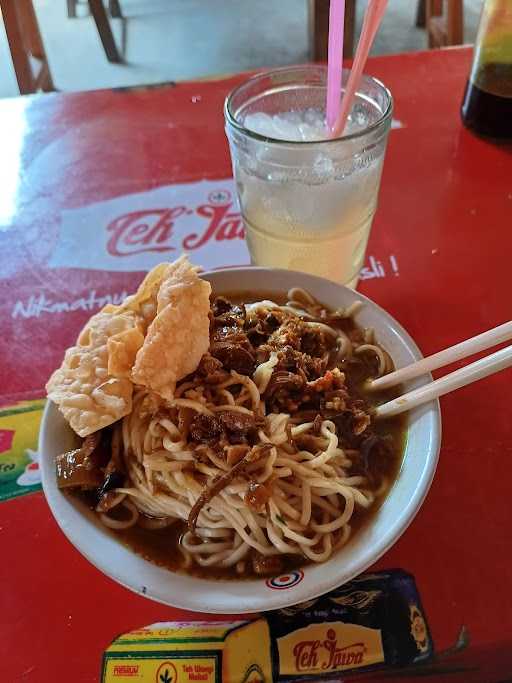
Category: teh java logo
<point>325,655</point>
<point>160,229</point>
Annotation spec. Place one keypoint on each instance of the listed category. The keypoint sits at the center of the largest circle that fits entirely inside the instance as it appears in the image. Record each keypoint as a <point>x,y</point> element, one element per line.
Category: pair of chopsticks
<point>454,380</point>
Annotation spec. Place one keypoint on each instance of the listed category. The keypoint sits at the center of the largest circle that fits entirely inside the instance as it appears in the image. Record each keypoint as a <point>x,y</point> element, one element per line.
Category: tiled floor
<point>183,39</point>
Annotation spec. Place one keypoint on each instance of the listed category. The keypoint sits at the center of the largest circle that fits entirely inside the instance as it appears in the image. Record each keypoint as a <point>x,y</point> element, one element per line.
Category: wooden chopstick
<point>438,360</point>
<point>454,380</point>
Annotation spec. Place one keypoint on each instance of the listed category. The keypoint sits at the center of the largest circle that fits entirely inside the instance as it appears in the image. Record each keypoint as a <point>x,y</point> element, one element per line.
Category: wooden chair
<point>26,46</point>
<point>100,16</point>
<point>444,21</point>
<point>319,29</point>
<point>113,7</point>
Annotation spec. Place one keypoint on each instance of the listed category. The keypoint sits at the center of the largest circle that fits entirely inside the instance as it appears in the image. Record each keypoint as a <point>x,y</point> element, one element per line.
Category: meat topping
<point>233,357</point>
<point>80,467</point>
<point>204,428</point>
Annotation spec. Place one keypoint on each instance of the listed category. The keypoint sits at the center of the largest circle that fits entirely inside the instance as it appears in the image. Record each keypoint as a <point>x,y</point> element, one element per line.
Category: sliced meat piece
<point>204,428</point>
<point>283,381</point>
<point>241,424</point>
<point>208,364</point>
<point>78,468</point>
<point>228,314</point>
<point>233,357</point>
<point>257,335</point>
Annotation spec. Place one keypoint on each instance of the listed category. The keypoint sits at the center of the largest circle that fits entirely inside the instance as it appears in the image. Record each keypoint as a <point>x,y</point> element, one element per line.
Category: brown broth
<point>160,546</point>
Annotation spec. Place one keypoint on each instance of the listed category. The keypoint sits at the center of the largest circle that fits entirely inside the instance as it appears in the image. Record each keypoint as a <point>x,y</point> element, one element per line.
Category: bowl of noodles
<point>210,443</point>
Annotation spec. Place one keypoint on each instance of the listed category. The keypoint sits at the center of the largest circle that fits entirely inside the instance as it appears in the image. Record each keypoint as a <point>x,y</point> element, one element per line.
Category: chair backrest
<point>444,22</point>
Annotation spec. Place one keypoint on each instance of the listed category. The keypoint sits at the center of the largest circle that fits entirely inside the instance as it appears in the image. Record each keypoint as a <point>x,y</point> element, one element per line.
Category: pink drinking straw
<point>334,61</point>
<point>371,22</point>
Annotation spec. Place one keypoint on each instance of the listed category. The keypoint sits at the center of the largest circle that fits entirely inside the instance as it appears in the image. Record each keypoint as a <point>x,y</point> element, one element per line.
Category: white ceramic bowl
<point>101,547</point>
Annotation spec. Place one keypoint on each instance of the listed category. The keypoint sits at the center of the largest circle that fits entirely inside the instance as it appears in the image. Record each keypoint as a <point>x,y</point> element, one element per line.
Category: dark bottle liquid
<point>484,111</point>
<point>487,103</point>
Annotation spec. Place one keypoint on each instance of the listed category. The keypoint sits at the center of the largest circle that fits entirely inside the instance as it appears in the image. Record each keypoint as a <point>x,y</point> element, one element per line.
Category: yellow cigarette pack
<point>176,652</point>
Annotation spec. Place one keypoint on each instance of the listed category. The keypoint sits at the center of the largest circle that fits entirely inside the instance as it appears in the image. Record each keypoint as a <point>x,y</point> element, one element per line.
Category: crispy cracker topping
<point>179,335</point>
<point>155,338</point>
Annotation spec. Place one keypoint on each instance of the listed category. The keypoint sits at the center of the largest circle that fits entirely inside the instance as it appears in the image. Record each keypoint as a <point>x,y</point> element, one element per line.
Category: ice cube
<point>260,123</point>
<point>286,129</point>
<point>323,166</point>
<point>314,118</point>
<point>294,126</point>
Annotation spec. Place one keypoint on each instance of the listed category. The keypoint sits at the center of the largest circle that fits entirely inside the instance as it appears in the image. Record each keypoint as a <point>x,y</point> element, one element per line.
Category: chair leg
<point>319,29</point>
<point>434,8</point>
<point>115,9</point>
<point>25,42</point>
<point>350,28</point>
<point>434,23</point>
<point>20,58</point>
<point>455,22</point>
<point>421,14</point>
<point>71,9</point>
<point>44,80</point>
<point>105,31</point>
<point>30,30</point>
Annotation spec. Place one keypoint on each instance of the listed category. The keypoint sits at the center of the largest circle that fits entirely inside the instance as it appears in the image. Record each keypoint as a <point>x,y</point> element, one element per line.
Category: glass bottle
<point>487,103</point>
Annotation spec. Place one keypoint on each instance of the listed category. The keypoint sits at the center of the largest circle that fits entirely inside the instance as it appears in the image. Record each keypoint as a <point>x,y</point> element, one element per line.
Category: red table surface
<point>445,212</point>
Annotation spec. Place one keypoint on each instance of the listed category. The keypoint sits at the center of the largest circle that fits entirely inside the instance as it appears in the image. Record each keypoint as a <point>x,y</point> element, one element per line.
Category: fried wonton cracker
<point>92,387</point>
<point>144,301</point>
<point>154,338</point>
<point>179,335</point>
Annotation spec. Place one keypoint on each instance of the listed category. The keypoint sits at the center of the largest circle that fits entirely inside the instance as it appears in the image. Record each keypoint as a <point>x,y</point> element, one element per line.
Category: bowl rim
<point>57,502</point>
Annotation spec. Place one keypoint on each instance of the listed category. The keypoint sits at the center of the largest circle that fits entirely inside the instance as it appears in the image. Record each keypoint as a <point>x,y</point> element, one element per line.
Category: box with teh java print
<point>179,652</point>
<point>373,621</point>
